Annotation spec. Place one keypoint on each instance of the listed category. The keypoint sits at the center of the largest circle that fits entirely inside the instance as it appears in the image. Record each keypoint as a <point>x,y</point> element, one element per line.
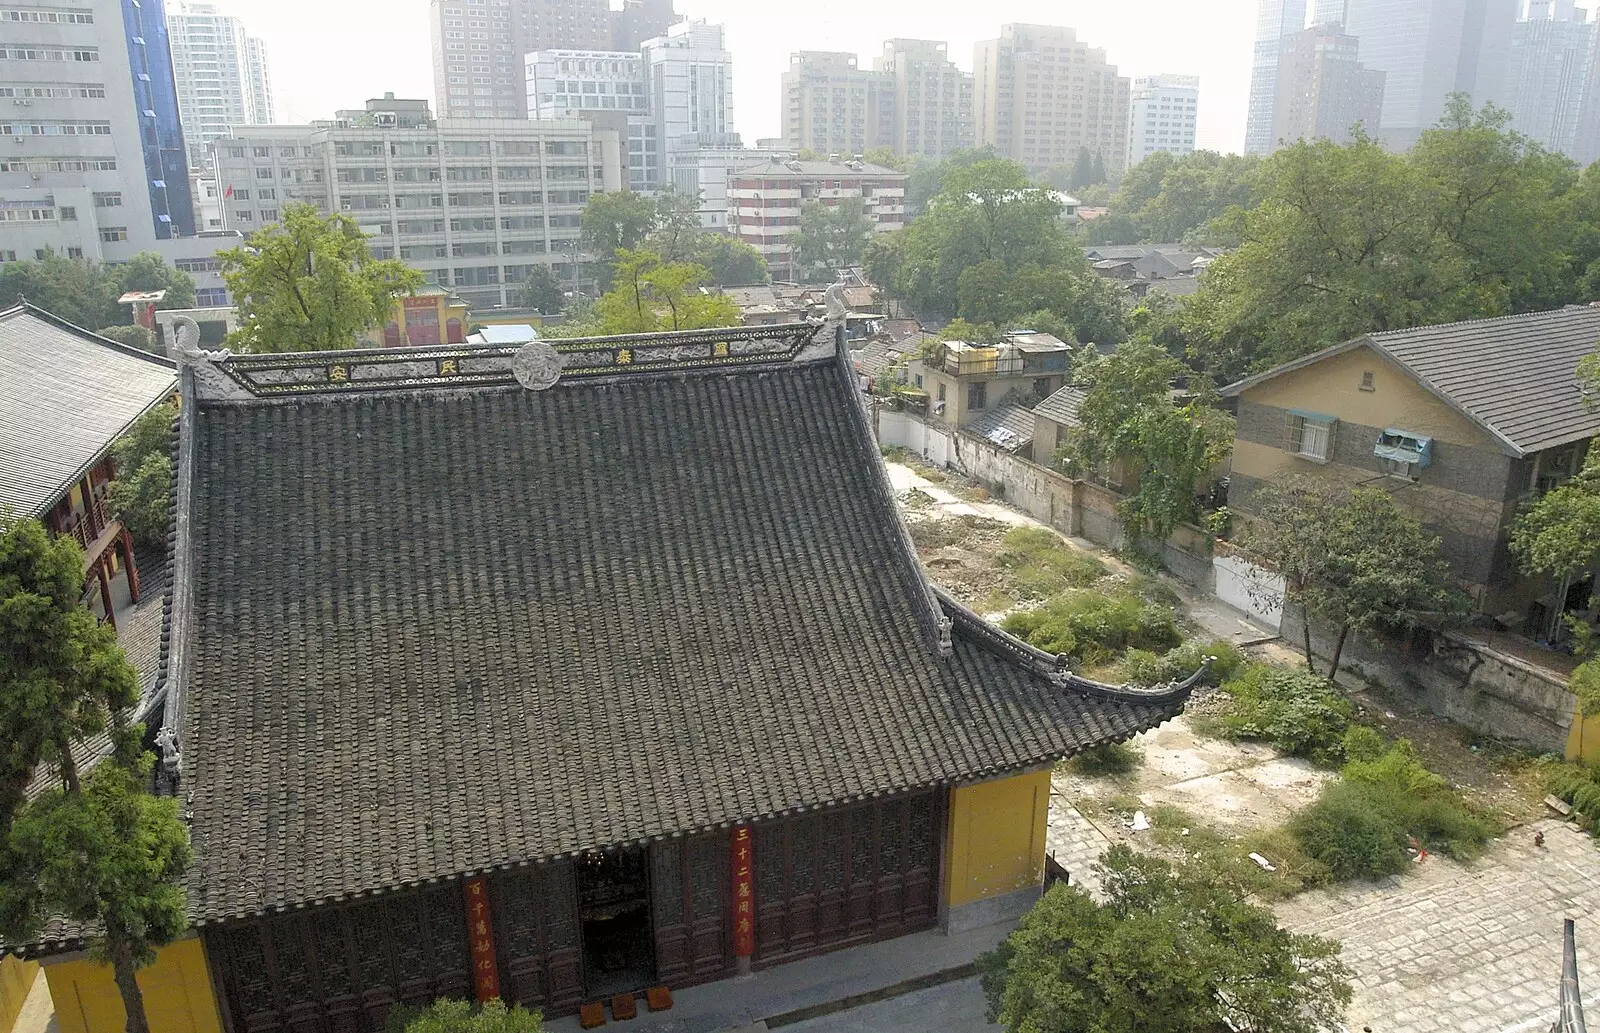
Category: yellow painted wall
<point>1333,386</point>
<point>996,838</point>
<point>1583,742</point>
<point>177,993</point>
<point>16,980</point>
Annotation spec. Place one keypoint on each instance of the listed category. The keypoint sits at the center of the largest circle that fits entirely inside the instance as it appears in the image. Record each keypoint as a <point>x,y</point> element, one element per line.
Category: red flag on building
<point>229,192</point>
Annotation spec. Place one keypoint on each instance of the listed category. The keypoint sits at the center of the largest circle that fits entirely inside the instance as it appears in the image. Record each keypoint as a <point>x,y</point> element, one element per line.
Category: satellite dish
<point>537,367</point>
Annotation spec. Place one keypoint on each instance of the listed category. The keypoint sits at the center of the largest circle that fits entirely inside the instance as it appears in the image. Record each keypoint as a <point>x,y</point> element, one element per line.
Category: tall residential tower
<point>1041,95</point>
<point>221,74</point>
<point>1275,20</point>
<point>1551,73</point>
<point>1162,116</point>
<point>932,98</point>
<point>1323,89</point>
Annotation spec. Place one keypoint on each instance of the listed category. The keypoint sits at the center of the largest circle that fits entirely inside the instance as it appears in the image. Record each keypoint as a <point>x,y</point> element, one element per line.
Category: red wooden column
<point>480,931</point>
<point>126,541</point>
<point>744,899</point>
<point>105,592</point>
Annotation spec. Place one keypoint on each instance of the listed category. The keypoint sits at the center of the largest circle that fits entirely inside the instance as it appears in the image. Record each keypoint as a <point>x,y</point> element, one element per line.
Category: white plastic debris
<point>1265,864</point>
<point>1140,822</point>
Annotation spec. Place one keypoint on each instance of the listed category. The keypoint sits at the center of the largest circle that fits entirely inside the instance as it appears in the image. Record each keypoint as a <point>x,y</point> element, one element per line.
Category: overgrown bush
<point>1143,667</point>
<point>1363,825</point>
<point>1095,628</point>
<point>463,1017</point>
<point>1041,564</point>
<point>1294,710</point>
<point>1117,758</point>
<point>1579,785</point>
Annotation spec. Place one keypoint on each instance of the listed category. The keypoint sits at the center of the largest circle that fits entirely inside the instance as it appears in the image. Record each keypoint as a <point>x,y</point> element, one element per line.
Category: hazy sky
<point>329,54</point>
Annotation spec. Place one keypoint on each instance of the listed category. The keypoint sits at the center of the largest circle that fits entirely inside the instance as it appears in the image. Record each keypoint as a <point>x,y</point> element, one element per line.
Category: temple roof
<point>66,396</point>
<point>429,624</point>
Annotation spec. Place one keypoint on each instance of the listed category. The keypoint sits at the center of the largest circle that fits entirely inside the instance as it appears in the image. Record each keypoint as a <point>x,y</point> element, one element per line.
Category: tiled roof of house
<point>879,356</point>
<point>1062,406</point>
<point>1515,376</point>
<point>66,395</point>
<point>428,623</point>
<point>1008,426</point>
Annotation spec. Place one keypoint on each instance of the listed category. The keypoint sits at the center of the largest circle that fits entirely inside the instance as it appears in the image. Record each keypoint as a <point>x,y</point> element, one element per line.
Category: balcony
<point>90,526</point>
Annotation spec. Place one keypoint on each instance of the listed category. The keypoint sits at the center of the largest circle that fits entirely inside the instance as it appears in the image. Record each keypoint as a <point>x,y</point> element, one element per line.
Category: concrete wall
<point>994,851</point>
<point>1471,684</point>
<point>16,980</point>
<point>1073,507</point>
<point>178,997</point>
<point>1235,579</point>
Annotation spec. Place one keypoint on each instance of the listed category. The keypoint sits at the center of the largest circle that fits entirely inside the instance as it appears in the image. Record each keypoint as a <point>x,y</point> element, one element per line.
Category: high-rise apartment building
<point>1550,70</point>
<point>477,58</point>
<point>565,24</point>
<point>473,204</point>
<point>94,164</point>
<point>1323,88</point>
<point>689,80</point>
<point>1161,115</point>
<point>1429,49</point>
<point>932,98</point>
<point>1041,95</point>
<point>1275,19</point>
<point>766,200</point>
<point>221,74</point>
<point>595,84</point>
<point>831,105</point>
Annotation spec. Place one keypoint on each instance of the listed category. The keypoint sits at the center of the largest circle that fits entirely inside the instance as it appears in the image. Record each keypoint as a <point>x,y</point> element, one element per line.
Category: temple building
<point>564,670</point>
<point>66,396</point>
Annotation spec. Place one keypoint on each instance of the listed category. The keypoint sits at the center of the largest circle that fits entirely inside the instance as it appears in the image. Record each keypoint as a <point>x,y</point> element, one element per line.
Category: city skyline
<point>315,73</point>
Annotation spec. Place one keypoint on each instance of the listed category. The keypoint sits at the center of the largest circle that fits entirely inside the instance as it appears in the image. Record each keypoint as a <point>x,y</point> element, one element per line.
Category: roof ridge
<point>1483,320</point>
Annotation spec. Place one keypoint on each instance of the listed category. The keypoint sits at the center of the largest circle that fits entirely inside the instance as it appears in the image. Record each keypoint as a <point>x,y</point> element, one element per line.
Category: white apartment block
<point>831,105</point>
<point>1041,95</point>
<point>689,80</point>
<point>932,98</point>
<point>478,58</point>
<point>93,164</point>
<point>766,200</point>
<point>584,83</point>
<point>703,167</point>
<point>474,205</point>
<point>221,74</point>
<point>1161,116</point>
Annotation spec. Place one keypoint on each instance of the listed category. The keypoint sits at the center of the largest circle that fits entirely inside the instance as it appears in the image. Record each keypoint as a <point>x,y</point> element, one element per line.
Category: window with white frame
<point>1311,436</point>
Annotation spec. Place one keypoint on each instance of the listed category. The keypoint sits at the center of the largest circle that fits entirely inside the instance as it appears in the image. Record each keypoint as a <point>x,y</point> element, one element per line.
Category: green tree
<point>649,294</point>
<point>142,491</point>
<point>732,262</point>
<point>310,283</point>
<point>542,292</point>
<point>677,231</point>
<point>148,271</point>
<point>1558,534</point>
<point>85,293</point>
<point>462,1017</point>
<point>62,677</point>
<point>1171,950</point>
<point>830,237</point>
<point>1129,421</point>
<point>109,855</point>
<point>1350,557</point>
<point>132,335</point>
<point>616,221</point>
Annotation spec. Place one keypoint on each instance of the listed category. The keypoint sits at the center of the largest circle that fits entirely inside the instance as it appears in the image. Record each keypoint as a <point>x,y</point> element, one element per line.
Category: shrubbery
<point>1579,785</point>
<point>1294,710</point>
<point>1117,758</point>
<point>1041,564</point>
<point>1143,667</point>
<point>1095,628</point>
<point>1363,825</point>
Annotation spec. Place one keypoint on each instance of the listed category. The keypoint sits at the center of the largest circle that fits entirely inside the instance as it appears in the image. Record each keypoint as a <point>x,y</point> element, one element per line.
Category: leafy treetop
<point>462,1017</point>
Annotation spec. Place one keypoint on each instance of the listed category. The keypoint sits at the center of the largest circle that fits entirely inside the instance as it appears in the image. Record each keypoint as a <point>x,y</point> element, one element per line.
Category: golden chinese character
<point>742,872</point>
<point>475,888</point>
<point>447,368</point>
<point>624,357</point>
<point>483,928</point>
<point>338,374</point>
<point>744,907</point>
<point>744,925</point>
<point>478,908</point>
<point>744,889</point>
<point>720,350</point>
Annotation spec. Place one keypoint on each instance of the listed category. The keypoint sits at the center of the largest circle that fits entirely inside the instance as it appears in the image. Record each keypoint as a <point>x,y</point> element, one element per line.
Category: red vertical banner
<point>744,895</point>
<point>480,931</point>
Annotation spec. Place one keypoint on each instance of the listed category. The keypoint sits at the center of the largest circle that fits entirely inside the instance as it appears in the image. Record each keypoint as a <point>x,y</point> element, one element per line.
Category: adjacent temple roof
<point>66,396</point>
<point>428,622</point>
<point>1062,406</point>
<point>1516,377</point>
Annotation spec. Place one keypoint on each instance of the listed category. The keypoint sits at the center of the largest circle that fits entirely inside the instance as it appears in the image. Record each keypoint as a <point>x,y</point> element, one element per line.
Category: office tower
<point>1549,74</point>
<point>932,98</point>
<point>221,75</point>
<point>595,84</point>
<point>1275,19</point>
<point>831,105</point>
<point>639,20</point>
<point>1429,49</point>
<point>689,79</point>
<point>565,24</point>
<point>94,164</point>
<point>1161,115</point>
<point>477,59</point>
<point>474,204</point>
<point>1323,89</point>
<point>1327,12</point>
<point>1041,95</point>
